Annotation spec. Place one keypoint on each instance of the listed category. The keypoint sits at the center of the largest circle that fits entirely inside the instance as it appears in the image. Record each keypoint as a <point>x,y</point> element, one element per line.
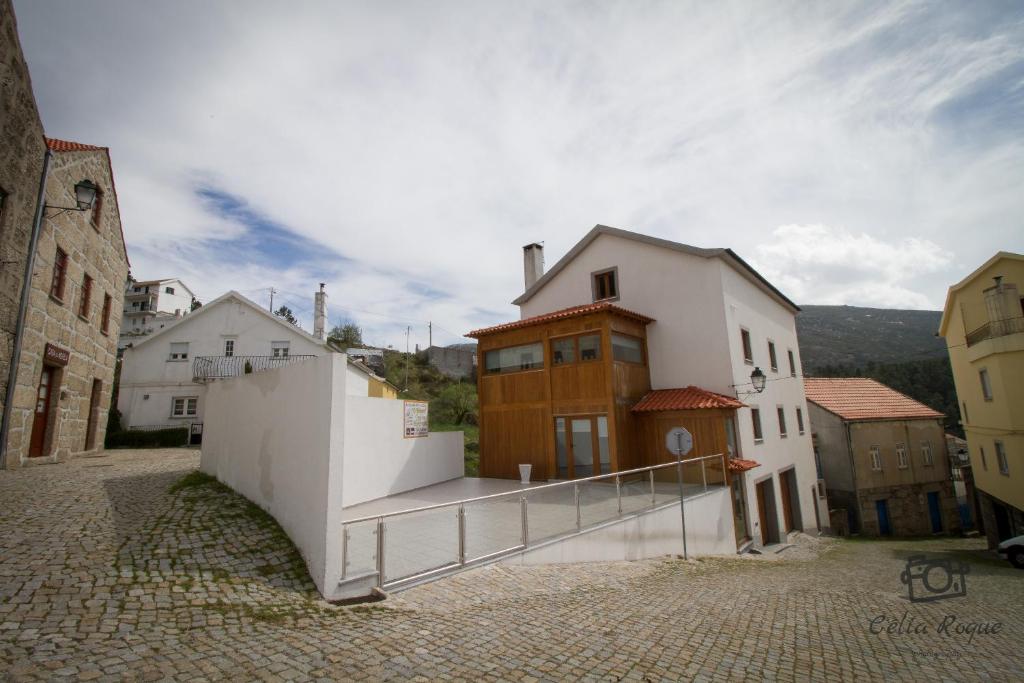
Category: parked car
<point>1013,548</point>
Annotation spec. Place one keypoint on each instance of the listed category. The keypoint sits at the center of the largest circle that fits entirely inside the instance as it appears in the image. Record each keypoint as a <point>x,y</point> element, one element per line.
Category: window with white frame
<point>179,350</point>
<point>229,347</point>
<point>184,406</point>
<point>279,349</point>
<point>901,456</point>
<point>1004,466</point>
<point>926,453</point>
<point>876,458</point>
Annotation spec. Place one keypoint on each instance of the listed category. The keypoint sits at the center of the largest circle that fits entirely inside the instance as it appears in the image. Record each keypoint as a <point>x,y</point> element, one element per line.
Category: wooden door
<point>762,512</point>
<point>787,503</point>
<point>94,414</point>
<point>41,418</point>
<point>581,445</point>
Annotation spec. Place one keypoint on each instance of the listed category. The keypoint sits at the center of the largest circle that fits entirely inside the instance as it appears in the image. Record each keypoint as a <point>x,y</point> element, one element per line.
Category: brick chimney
<point>533,263</point>
<point>319,313</point>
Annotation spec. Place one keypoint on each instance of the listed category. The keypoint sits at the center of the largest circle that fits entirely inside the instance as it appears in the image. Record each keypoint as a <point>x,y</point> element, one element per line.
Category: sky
<point>868,154</point>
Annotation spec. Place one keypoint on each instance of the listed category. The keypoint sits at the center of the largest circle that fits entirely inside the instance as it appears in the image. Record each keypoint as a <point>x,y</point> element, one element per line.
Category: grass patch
<point>196,479</point>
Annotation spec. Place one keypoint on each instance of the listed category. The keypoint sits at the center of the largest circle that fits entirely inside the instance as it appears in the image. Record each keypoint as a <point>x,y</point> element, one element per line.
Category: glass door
<point>581,446</point>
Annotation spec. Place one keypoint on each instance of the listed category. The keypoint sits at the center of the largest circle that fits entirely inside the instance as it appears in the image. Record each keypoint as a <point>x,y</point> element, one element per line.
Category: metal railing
<point>406,546</point>
<point>995,328</point>
<point>219,367</point>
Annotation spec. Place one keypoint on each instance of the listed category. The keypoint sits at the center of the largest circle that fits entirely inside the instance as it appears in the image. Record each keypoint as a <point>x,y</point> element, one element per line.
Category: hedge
<point>156,438</point>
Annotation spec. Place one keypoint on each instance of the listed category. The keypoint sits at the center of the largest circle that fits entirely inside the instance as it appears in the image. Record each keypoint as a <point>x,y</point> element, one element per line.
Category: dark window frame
<point>773,357</point>
<point>609,278</point>
<point>755,419</point>
<point>108,302</point>
<point>800,419</point>
<point>96,217</point>
<point>780,411</point>
<point>58,282</point>
<point>85,297</point>
<point>747,346</point>
<point>577,354</point>
<point>792,362</point>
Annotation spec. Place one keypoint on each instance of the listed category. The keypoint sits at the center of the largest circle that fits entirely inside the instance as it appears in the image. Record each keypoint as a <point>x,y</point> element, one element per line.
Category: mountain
<point>854,336</point>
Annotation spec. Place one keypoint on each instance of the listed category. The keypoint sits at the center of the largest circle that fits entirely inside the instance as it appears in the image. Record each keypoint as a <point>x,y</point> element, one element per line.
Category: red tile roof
<point>859,398</point>
<point>68,146</point>
<point>571,312</point>
<point>690,398</point>
<point>738,465</point>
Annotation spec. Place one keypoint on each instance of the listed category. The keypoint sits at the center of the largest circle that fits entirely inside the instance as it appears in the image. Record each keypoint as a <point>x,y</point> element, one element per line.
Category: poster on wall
<point>416,422</point>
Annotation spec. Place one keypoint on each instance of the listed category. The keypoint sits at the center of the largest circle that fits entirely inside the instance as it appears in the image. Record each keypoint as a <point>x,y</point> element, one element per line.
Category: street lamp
<point>85,194</point>
<point>758,379</point>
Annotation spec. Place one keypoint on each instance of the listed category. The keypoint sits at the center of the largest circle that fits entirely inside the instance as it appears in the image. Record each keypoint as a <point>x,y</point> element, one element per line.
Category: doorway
<point>41,416</point>
<point>882,508</point>
<point>766,512</point>
<point>739,508</point>
<point>94,414</point>
<point>935,512</point>
<point>790,500</point>
<point>581,446</point>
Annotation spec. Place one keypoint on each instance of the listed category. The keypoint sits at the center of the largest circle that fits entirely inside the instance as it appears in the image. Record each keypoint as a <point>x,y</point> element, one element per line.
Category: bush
<point>156,438</point>
<point>456,404</point>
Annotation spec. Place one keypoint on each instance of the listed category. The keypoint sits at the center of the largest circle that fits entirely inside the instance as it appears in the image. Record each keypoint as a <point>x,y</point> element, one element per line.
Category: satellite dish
<point>679,441</point>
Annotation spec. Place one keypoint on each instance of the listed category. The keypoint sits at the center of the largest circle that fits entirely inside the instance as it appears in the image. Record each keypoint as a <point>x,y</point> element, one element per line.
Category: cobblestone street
<point>110,572</point>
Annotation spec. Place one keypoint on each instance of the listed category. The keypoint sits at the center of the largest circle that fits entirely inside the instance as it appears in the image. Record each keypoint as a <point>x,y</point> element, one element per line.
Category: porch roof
<point>562,314</point>
<point>688,398</point>
<point>739,465</point>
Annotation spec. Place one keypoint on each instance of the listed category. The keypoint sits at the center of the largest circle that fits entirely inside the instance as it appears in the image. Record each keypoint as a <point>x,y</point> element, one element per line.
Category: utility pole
<point>272,293</point>
<point>407,331</point>
<point>430,334</point>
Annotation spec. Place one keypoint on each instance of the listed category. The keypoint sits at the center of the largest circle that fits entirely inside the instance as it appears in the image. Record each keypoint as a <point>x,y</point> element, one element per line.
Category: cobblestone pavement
<point>108,574</point>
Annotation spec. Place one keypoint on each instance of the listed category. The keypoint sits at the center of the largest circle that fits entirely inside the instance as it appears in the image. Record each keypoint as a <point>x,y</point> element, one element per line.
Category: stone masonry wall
<point>908,509</point>
<point>100,252</point>
<point>21,163</point>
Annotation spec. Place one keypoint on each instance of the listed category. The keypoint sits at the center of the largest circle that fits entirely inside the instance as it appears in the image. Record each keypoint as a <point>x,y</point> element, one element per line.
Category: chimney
<point>319,312</point>
<point>533,263</point>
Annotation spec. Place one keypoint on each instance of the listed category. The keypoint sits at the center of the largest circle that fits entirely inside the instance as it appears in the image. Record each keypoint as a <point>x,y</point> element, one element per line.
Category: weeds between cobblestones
<point>147,570</point>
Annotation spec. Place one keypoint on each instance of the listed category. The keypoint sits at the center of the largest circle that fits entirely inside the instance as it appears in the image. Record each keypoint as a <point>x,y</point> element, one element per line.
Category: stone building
<point>60,330</point>
<point>883,457</point>
<point>457,361</point>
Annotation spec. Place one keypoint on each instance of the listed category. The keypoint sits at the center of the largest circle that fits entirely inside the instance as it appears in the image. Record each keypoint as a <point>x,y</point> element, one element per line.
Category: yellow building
<point>381,388</point>
<point>983,324</point>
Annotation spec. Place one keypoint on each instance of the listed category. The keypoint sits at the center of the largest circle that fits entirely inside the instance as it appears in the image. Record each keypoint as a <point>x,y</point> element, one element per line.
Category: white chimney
<point>533,263</point>
<point>319,312</point>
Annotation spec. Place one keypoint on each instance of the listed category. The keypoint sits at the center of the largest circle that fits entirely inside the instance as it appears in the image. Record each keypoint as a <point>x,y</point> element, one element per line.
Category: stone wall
<point>908,509</point>
<point>94,249</point>
<point>21,163</point>
<point>453,361</point>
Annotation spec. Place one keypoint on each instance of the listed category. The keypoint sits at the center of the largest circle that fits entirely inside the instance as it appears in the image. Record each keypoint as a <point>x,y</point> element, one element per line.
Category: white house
<point>164,376</point>
<point>150,306</point>
<point>716,320</point>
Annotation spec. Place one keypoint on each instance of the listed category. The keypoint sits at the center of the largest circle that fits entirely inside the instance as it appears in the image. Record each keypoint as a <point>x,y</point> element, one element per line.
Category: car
<point>1013,548</point>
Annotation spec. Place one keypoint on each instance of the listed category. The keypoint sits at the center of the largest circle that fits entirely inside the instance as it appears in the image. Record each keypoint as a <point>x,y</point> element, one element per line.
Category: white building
<point>151,306</point>
<point>164,376</point>
<point>716,321</point>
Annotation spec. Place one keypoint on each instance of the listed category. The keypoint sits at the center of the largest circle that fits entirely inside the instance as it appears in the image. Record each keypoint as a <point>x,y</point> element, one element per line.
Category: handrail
<point>520,492</point>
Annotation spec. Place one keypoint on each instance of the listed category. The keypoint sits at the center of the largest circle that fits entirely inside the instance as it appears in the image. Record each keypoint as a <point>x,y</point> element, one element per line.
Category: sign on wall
<point>416,419</point>
<point>55,355</point>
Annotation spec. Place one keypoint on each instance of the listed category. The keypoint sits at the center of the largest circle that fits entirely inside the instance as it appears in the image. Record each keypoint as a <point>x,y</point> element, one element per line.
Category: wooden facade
<point>566,407</point>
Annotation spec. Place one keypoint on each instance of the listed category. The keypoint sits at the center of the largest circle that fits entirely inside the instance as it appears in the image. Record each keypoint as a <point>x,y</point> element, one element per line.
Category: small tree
<point>196,303</point>
<point>457,404</point>
<point>286,313</point>
<point>346,335</point>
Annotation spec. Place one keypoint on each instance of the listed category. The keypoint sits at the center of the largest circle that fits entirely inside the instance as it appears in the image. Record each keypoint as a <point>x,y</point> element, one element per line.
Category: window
<point>229,347</point>
<point>179,351</point>
<point>97,209</point>
<point>984,462</point>
<point>105,317</point>
<point>627,349</point>
<point>86,295</point>
<point>771,357</point>
<point>967,418</point>
<point>169,290</point>
<point>926,453</point>
<point>605,284</point>
<point>563,351</point>
<point>901,456</point>
<point>184,406</point>
<point>792,363</point>
<point>800,420</point>
<point>748,351</point>
<point>279,349</point>
<point>986,384</point>
<point>60,271</point>
<point>755,418</point>
<point>1004,467</point>
<point>515,358</point>
<point>782,421</point>
<point>817,462</point>
<point>876,459</point>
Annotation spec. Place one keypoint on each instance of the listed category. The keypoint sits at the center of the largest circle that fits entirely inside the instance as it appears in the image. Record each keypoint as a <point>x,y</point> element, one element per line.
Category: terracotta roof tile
<point>859,398</point>
<point>738,465</point>
<point>690,398</point>
<point>68,146</point>
<point>571,312</point>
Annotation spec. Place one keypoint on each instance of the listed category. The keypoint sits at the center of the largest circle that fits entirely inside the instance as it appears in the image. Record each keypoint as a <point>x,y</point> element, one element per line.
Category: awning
<point>738,465</point>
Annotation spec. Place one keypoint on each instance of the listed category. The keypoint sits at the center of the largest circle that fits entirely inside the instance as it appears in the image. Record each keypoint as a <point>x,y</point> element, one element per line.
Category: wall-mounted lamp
<point>85,197</point>
<point>757,380</point>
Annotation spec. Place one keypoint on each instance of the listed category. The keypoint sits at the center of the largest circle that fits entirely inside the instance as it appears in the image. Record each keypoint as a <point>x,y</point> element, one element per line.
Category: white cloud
<point>831,265</point>
<point>430,141</point>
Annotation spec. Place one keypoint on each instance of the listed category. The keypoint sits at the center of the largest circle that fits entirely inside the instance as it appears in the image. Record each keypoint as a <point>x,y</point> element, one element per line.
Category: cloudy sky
<point>866,154</point>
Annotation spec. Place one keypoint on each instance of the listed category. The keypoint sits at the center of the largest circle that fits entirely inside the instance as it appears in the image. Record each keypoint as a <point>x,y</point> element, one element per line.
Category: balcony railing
<point>995,328</point>
<point>219,367</point>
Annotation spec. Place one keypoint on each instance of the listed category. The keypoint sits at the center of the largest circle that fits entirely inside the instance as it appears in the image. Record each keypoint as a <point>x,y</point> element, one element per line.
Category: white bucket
<point>524,473</point>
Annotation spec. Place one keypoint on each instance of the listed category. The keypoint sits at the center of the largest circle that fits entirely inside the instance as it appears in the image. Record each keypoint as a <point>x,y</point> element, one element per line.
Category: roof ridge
<point>569,312</point>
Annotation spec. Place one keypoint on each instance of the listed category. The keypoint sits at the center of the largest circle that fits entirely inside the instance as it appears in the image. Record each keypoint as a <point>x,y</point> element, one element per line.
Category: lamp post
<point>757,379</point>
